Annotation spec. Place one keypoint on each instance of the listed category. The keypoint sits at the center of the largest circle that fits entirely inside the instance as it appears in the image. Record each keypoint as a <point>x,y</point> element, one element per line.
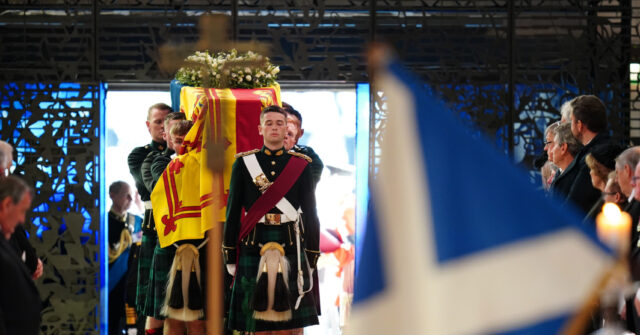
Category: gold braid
<point>125,242</point>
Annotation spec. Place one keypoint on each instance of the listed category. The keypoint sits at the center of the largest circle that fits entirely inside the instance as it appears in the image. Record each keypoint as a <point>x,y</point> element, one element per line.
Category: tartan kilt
<point>158,278</point>
<point>145,257</point>
<point>240,317</point>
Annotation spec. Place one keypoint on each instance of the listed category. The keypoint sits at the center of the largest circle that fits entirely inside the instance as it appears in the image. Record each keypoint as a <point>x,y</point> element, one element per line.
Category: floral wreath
<point>227,70</point>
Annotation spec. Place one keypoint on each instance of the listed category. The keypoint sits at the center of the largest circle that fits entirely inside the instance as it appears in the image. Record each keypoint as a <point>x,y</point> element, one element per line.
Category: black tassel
<point>281,302</point>
<point>175,299</point>
<point>260,301</point>
<point>195,293</point>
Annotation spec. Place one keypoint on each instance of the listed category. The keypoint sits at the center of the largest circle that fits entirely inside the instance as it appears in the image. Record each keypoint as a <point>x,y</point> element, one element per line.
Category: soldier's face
<point>273,129</point>
<point>155,124</point>
<point>177,142</point>
<point>167,134</point>
<point>292,136</point>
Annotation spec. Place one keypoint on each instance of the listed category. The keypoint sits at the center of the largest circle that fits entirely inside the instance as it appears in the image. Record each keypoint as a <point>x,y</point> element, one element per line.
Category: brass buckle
<point>262,182</point>
<point>272,219</point>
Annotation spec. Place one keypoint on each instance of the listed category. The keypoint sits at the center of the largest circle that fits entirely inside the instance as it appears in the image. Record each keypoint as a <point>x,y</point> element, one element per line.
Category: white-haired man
<point>19,299</point>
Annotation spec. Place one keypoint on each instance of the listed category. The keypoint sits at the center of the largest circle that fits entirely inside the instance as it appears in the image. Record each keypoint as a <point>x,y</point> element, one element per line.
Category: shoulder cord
<point>301,291</point>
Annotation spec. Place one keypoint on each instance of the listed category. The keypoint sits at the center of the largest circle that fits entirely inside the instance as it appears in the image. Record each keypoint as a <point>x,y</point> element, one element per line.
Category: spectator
<point>589,126</point>
<point>19,239</point>
<point>564,149</point>
<point>601,161</point>
<point>626,164</point>
<point>20,303</point>
<point>613,192</point>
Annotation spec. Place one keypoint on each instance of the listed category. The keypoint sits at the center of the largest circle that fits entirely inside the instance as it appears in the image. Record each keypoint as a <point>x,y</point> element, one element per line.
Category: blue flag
<point>458,241</point>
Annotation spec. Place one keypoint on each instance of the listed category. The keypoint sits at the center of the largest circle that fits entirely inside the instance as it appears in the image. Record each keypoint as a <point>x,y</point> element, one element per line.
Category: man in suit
<point>588,125</point>
<point>626,165</point>
<point>19,238</point>
<point>20,303</point>
<point>563,152</point>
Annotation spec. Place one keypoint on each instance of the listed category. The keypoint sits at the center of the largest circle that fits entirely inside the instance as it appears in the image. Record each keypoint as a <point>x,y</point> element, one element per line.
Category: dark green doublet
<point>152,169</point>
<point>242,194</point>
<point>135,160</point>
<point>316,164</point>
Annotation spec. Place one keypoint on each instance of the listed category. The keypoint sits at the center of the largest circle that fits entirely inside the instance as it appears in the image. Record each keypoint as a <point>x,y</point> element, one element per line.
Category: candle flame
<point>612,212</point>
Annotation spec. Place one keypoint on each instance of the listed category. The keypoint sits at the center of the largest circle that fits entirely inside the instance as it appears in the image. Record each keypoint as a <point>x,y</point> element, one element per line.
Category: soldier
<point>272,250</point>
<point>152,169</point>
<point>294,132</point>
<point>155,125</point>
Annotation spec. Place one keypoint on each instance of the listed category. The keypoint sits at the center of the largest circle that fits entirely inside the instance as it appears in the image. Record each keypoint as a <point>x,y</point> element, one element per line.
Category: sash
<point>272,195</point>
<point>255,171</point>
<point>119,269</point>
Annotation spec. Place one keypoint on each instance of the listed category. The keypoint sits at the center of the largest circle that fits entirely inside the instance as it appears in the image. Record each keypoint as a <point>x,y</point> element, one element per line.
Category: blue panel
<point>55,130</point>
<point>104,238</point>
<point>362,164</point>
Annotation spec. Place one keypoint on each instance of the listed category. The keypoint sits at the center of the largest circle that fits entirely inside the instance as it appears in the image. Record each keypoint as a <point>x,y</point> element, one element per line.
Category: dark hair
<point>591,111</point>
<point>273,109</point>
<point>15,188</point>
<point>117,186</point>
<point>161,106</point>
<point>173,116</point>
<point>291,111</point>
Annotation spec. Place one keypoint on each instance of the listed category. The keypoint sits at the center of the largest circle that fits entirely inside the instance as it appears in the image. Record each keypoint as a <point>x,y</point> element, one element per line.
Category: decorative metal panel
<point>54,130</point>
<point>506,67</point>
<point>310,40</point>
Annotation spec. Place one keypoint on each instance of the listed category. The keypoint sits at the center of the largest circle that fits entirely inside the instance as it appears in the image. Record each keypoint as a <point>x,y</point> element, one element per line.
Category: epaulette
<point>301,155</point>
<point>246,153</point>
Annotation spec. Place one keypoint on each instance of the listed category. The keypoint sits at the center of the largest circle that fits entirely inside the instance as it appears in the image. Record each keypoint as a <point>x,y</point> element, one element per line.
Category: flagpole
<point>214,281</point>
<point>578,323</point>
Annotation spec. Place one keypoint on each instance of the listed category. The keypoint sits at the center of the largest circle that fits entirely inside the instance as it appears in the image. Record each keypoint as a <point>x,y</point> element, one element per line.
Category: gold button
<point>273,162</point>
<point>273,173</point>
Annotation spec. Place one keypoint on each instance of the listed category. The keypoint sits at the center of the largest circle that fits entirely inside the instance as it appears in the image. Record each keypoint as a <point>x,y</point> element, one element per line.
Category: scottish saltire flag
<point>458,241</point>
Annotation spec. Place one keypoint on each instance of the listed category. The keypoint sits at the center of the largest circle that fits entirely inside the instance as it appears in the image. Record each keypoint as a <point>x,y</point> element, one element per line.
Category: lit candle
<point>613,227</point>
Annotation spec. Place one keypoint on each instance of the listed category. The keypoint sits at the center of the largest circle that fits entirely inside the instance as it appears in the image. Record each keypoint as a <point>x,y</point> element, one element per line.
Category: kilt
<point>240,316</point>
<point>147,245</point>
<point>158,278</point>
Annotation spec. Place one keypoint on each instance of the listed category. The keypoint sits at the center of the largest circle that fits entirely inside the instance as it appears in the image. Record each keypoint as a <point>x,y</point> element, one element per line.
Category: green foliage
<point>227,70</point>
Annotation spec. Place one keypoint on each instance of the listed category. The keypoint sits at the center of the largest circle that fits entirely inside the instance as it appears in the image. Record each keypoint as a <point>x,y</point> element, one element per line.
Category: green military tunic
<point>316,165</point>
<point>135,160</point>
<point>242,194</point>
<point>152,169</point>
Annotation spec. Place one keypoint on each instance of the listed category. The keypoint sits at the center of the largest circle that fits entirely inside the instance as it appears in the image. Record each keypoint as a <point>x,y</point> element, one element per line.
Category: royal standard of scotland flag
<point>458,241</point>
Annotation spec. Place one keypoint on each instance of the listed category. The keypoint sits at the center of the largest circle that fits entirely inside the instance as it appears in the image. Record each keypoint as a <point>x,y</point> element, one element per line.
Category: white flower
<point>233,75</point>
<point>239,79</point>
<point>247,70</point>
<point>248,77</point>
